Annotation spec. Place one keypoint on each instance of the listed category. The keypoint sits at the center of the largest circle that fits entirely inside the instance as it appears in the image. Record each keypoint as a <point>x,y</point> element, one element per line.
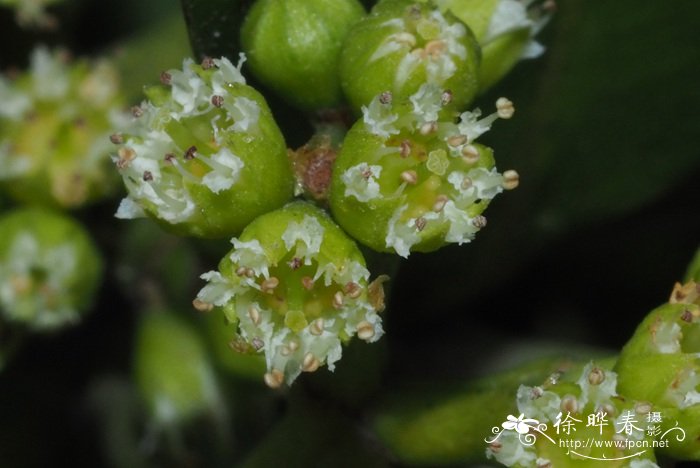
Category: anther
<point>466,183</point>
<point>428,127</point>
<point>446,97</point>
<point>352,290</point>
<point>365,331</point>
<point>405,148</point>
<point>435,48</point>
<point>511,179</point>
<point>420,223</point>
<point>217,101</point>
<point>386,97</point>
<point>479,222</point>
<point>338,299</point>
<point>505,108</point>
<point>147,176</point>
<point>190,152</point>
<point>307,283</point>
<point>410,177</point>
<point>642,407</point>
<point>269,285</point>
<point>241,271</point>
<point>207,63</point>
<point>116,138</point>
<point>439,204</point>
<point>596,376</point>
<point>405,38</point>
<point>470,154</point>
<point>274,378</point>
<point>316,327</point>
<point>294,263</point>
<point>293,345</point>
<point>169,158</point>
<point>136,111</point>
<point>457,140</point>
<point>202,306</point>
<point>687,316</point>
<point>254,315</point>
<point>166,78</point>
<point>257,343</point>
<point>310,363</point>
<point>569,404</point>
<point>126,155</point>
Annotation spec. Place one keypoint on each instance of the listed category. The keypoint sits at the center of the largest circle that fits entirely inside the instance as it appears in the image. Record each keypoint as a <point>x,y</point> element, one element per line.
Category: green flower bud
<point>575,418</point>
<point>660,364</point>
<point>172,370</point>
<point>54,127</point>
<point>32,12</point>
<point>410,179</point>
<point>294,47</point>
<point>400,46</point>
<point>204,155</point>
<point>49,269</point>
<point>297,287</point>
<point>505,29</point>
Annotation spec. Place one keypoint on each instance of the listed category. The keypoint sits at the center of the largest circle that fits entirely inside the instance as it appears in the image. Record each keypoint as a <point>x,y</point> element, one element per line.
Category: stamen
<point>136,111</point>
<point>365,331</point>
<point>310,363</point>
<point>166,78</point>
<point>190,152</point>
<point>254,315</point>
<point>202,306</point>
<point>116,138</point>
<point>274,378</point>
<point>337,301</point>
<point>386,97</point>
<point>307,282</point>
<point>470,154</point>
<point>316,327</point>
<point>269,285</point>
<point>457,140</point>
<point>353,290</point>
<point>217,101</point>
<point>410,177</point>
<point>440,202</point>
<point>511,179</point>
<point>505,108</point>
<point>479,222</point>
<point>207,63</point>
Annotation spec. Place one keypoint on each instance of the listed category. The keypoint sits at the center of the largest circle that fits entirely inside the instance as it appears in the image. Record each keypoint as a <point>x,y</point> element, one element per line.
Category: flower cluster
<point>402,45</point>
<point>49,269</point>
<point>54,127</point>
<point>297,287</point>
<point>203,155</point>
<point>409,178</point>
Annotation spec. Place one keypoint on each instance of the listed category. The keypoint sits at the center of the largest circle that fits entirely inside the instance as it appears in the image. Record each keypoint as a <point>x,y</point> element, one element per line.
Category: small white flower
<point>361,182</point>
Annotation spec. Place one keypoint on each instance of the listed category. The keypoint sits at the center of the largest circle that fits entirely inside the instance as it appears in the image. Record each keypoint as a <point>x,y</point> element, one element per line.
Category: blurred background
<point>604,222</point>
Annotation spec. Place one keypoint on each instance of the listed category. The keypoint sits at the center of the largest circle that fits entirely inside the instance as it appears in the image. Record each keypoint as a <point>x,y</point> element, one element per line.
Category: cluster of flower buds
<point>31,13</point>
<point>408,178</point>
<point>293,46</point>
<point>49,269</point>
<point>297,287</point>
<point>575,418</point>
<point>660,364</point>
<point>203,156</point>
<point>55,121</point>
<point>402,45</point>
<point>505,29</point>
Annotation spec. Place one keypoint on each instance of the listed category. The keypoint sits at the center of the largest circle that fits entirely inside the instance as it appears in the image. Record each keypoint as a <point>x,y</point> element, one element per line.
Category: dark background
<point>606,219</point>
